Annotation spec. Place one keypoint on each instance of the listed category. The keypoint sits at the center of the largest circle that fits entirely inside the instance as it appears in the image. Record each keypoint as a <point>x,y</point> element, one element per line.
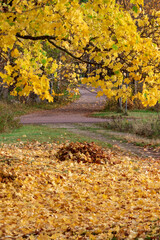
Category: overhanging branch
<point>28,37</point>
<point>70,54</point>
<point>43,37</point>
<point>53,38</point>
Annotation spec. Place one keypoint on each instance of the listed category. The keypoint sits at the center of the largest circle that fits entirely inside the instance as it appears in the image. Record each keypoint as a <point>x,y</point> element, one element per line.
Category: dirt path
<point>78,112</point>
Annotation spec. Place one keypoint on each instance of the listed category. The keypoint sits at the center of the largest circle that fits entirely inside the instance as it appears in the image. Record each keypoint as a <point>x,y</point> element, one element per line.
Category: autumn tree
<point>114,40</point>
<point>147,24</point>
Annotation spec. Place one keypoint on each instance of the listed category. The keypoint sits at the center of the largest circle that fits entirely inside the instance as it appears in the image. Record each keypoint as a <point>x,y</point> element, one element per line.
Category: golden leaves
<point>15,53</point>
<point>42,197</point>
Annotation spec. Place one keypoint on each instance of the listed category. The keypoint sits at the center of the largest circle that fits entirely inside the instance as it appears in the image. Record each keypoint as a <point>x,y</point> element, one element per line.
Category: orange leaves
<point>42,197</point>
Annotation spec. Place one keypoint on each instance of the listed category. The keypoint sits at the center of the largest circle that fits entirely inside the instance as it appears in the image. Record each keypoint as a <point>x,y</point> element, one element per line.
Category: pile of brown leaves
<point>85,152</point>
<point>42,197</point>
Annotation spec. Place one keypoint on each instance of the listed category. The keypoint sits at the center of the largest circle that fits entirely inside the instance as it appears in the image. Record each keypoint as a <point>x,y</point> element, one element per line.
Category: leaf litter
<point>45,197</point>
<point>85,152</point>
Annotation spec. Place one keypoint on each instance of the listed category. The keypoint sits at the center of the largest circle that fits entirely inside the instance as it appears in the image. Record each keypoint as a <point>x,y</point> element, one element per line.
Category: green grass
<point>143,113</point>
<point>132,114</point>
<point>41,133</point>
<point>36,133</point>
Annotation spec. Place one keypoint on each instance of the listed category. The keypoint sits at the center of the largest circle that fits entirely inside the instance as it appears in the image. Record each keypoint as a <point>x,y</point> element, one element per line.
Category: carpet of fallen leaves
<point>44,198</point>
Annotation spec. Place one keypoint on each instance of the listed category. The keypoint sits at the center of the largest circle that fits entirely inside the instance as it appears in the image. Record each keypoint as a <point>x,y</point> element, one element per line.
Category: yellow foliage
<point>15,53</point>
<point>97,32</point>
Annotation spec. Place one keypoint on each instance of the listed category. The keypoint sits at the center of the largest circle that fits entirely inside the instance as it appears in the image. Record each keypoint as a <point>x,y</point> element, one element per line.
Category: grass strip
<point>42,133</point>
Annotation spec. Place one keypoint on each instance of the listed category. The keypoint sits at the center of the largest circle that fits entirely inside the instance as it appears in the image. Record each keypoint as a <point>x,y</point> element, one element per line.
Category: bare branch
<point>43,37</point>
<point>28,37</point>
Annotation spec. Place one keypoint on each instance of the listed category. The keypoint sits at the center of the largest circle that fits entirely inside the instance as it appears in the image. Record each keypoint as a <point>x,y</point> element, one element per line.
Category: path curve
<point>76,112</point>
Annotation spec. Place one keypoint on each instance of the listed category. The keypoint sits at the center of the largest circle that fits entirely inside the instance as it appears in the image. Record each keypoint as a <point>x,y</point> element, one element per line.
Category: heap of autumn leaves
<point>47,194</point>
<point>119,42</point>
